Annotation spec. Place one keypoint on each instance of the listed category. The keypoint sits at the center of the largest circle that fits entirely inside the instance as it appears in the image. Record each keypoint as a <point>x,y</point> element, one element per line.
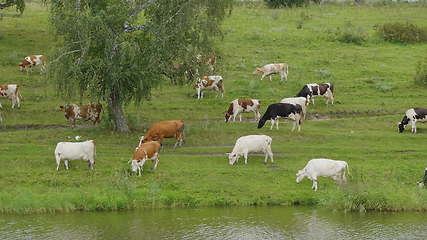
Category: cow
<point>210,61</point>
<point>312,90</point>
<point>285,110</point>
<point>249,144</point>
<point>413,115</point>
<point>302,101</point>
<point>214,83</point>
<point>238,106</point>
<point>33,61</point>
<point>145,151</point>
<point>88,112</point>
<point>322,167</point>
<point>165,129</point>
<point>68,151</point>
<point>11,91</point>
<point>270,69</point>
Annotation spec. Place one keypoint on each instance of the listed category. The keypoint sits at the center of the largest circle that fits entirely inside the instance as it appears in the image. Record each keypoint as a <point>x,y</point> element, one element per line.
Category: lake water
<point>217,223</point>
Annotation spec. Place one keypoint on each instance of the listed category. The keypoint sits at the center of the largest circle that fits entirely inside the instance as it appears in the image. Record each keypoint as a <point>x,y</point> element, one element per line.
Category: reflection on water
<point>217,223</point>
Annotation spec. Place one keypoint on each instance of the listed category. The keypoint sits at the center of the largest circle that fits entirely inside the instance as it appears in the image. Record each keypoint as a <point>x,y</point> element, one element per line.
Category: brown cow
<point>144,152</point>
<point>165,129</point>
<point>88,112</point>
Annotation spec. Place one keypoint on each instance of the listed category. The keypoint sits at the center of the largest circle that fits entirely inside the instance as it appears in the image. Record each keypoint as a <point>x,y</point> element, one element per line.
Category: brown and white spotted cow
<point>33,61</point>
<point>214,83</point>
<point>273,68</point>
<point>241,105</point>
<point>11,91</point>
<point>309,91</point>
<point>144,152</point>
<point>88,112</point>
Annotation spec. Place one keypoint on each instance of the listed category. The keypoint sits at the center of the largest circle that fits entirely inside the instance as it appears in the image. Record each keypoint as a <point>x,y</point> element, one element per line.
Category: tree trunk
<point>116,109</point>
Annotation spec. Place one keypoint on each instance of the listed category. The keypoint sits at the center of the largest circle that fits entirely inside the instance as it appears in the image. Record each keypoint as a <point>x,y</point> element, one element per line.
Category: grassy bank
<point>360,128</point>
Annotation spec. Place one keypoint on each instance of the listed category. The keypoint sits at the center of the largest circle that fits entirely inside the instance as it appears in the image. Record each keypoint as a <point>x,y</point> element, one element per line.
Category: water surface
<point>217,223</point>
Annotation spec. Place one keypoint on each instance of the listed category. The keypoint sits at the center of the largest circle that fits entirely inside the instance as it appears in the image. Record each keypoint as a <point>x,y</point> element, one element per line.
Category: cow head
<point>227,116</point>
<point>258,71</point>
<point>232,158</point>
<point>401,126</point>
<point>135,165</point>
<point>23,64</point>
<point>300,175</point>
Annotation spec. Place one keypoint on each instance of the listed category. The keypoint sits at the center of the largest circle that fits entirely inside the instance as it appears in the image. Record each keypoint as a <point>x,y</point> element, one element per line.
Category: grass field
<point>374,86</point>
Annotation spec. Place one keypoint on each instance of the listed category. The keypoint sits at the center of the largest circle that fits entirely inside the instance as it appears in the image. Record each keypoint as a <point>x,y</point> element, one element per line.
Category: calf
<point>75,151</point>
<point>270,69</point>
<point>165,129</point>
<point>214,83</point>
<point>145,151</point>
<point>34,60</point>
<point>11,91</point>
<point>413,115</point>
<point>238,106</point>
<point>301,101</point>
<point>87,112</point>
<point>285,110</point>
<point>312,90</point>
<point>322,167</point>
<point>249,144</point>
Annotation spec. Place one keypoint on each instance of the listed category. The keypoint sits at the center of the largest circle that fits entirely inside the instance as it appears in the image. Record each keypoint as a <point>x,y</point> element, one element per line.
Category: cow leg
<point>156,161</point>
<point>66,164</point>
<point>245,155</point>
<point>263,76</point>
<point>13,101</point>
<point>413,127</point>
<point>314,186</point>
<point>58,162</point>
<point>270,77</point>
<point>240,117</point>
<point>272,124</point>
<point>234,117</point>
<point>277,124</point>
<point>18,101</point>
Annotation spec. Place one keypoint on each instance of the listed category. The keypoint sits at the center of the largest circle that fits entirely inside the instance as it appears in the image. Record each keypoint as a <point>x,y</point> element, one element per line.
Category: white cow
<point>250,144</point>
<point>322,167</point>
<point>11,91</point>
<point>302,101</point>
<point>273,68</point>
<point>75,151</point>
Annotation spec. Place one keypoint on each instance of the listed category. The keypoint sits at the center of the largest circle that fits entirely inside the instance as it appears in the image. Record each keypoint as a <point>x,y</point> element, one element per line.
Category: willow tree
<point>117,50</point>
<point>19,4</point>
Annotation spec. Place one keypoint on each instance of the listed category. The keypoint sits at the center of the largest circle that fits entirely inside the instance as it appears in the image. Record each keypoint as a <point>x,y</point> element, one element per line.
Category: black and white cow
<point>285,110</point>
<point>312,90</point>
<point>413,115</point>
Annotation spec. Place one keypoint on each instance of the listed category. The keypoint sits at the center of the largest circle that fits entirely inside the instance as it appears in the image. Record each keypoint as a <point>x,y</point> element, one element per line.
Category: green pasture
<point>373,83</point>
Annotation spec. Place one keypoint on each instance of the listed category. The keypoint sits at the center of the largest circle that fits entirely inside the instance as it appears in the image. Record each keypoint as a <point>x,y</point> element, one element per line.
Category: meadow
<point>373,88</point>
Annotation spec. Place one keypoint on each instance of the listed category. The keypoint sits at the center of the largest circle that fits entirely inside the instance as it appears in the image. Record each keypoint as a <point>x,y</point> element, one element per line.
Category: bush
<point>402,32</point>
<point>350,34</point>
<point>421,72</point>
<point>286,3</point>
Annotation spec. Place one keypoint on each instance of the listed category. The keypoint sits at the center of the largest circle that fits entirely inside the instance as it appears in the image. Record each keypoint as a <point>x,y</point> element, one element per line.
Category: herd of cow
<point>293,108</point>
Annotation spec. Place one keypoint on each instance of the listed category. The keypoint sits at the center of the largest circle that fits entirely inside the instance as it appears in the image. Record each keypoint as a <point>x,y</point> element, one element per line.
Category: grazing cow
<point>270,69</point>
<point>249,144</point>
<point>145,151</point>
<point>87,112</point>
<point>68,151</point>
<point>238,106</point>
<point>285,110</point>
<point>413,115</point>
<point>302,101</point>
<point>312,90</point>
<point>214,83</point>
<point>11,91</point>
<point>30,61</point>
<point>165,129</point>
<point>322,167</point>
